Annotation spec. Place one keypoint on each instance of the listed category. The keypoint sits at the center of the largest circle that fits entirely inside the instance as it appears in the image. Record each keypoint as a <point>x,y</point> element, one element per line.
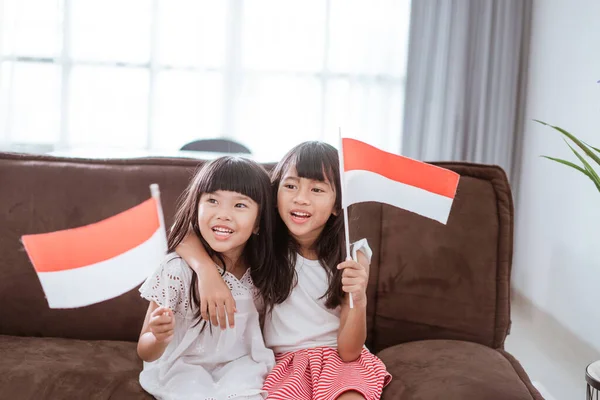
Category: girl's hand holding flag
<point>355,279</point>
<point>162,324</point>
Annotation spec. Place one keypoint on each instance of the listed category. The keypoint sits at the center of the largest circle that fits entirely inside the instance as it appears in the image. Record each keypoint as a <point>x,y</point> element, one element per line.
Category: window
<point>156,74</point>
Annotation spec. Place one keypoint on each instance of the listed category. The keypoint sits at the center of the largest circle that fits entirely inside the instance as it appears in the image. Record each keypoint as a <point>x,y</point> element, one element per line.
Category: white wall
<point>557,236</point>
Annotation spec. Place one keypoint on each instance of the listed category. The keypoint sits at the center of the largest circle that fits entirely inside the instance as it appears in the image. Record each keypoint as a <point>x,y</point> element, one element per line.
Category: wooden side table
<point>592,377</point>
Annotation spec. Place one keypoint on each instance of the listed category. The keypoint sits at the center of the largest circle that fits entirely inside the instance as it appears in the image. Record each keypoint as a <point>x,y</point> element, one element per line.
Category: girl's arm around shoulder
<point>353,321</point>
<point>157,332</point>
<point>216,299</point>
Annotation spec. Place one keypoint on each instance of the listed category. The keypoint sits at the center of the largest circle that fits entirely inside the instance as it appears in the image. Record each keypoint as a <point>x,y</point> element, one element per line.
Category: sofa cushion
<point>454,370</point>
<point>52,368</point>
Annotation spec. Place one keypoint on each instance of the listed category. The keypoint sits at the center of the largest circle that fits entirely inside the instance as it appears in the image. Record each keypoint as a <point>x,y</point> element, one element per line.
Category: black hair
<point>317,161</point>
<point>250,179</point>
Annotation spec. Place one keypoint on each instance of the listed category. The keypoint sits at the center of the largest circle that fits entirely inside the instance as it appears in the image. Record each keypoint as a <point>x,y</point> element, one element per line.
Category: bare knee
<point>352,395</point>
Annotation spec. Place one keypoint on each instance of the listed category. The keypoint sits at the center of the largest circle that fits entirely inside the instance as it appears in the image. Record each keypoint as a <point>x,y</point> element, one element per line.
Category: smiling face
<point>226,220</point>
<point>305,205</point>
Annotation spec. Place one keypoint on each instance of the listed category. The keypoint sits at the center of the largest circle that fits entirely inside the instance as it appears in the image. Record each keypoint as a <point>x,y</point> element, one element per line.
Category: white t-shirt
<point>303,321</point>
<point>225,364</point>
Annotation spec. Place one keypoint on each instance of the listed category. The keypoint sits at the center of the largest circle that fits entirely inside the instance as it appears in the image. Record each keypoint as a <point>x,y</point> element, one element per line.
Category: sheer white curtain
<point>142,74</point>
<point>467,70</point>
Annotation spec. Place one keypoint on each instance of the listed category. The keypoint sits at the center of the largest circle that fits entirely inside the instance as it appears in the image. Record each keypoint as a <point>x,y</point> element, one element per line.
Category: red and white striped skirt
<point>320,374</point>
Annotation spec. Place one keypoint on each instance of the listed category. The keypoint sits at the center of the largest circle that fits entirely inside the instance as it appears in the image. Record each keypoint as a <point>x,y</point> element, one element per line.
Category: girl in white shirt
<point>229,209</point>
<point>317,338</point>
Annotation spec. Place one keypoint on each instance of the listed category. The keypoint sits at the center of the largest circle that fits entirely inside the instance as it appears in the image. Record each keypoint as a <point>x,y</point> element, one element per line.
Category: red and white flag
<point>371,174</point>
<point>86,265</point>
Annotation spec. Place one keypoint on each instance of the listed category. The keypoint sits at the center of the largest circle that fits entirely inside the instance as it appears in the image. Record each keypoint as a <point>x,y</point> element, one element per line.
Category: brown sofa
<point>439,307</point>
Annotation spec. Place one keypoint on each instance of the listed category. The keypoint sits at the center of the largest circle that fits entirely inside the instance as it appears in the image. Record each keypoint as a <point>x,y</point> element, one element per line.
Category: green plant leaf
<point>578,142</point>
<point>569,164</point>
<point>595,148</point>
<point>577,167</point>
<point>593,175</point>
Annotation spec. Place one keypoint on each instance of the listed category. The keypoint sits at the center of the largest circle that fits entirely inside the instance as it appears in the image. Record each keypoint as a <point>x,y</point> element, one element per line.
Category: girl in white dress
<point>228,207</point>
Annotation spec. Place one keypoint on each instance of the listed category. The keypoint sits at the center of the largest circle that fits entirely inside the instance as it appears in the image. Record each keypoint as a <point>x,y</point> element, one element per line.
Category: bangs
<point>235,175</point>
<point>316,161</point>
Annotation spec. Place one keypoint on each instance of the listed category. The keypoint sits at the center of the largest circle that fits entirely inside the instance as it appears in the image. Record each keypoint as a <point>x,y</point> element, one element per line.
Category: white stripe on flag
<point>364,186</point>
<point>94,283</point>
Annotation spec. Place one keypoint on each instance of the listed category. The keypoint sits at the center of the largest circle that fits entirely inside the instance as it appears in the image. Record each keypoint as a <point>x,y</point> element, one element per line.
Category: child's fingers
<point>350,264</point>
<point>166,327</point>
<point>158,329</point>
<point>212,313</point>
<point>230,307</point>
<point>345,264</point>
<point>352,288</point>
<point>204,308</point>
<point>161,319</point>
<point>221,315</point>
<point>163,328</point>
<point>160,310</point>
<point>355,274</point>
<point>353,281</point>
<point>351,272</point>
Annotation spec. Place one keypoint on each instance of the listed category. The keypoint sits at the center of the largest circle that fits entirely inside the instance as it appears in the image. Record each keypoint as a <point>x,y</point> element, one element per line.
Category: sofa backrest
<point>44,194</point>
<point>428,281</point>
<point>434,281</point>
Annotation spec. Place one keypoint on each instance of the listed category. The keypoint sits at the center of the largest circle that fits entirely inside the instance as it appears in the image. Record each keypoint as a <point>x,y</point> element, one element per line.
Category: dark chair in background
<point>217,146</point>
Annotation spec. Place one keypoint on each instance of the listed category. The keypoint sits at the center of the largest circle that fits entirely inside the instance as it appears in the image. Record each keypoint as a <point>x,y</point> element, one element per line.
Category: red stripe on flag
<point>86,245</point>
<point>362,156</point>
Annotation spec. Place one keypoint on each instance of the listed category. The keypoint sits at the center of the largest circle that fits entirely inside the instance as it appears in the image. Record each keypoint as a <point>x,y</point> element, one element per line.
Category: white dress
<point>217,365</point>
